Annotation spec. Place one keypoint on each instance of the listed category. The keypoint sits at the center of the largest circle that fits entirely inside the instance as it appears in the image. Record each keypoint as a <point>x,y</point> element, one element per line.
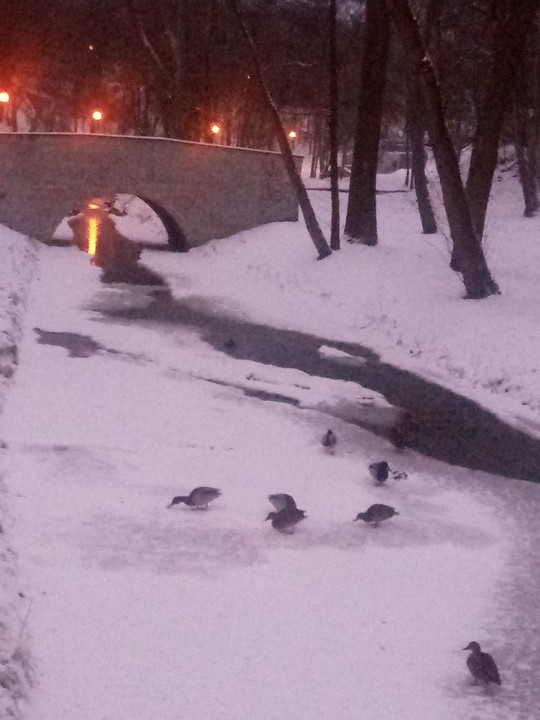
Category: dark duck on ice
<point>286,515</point>
<point>375,514</point>
<point>379,471</point>
<point>286,520</point>
<point>482,666</point>
<point>198,498</point>
<point>329,441</point>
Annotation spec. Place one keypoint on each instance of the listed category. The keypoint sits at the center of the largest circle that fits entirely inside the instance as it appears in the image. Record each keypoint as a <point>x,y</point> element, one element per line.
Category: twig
<point>25,618</point>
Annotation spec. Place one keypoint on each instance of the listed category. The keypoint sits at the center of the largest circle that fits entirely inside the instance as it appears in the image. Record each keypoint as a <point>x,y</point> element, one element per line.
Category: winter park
<point>269,360</point>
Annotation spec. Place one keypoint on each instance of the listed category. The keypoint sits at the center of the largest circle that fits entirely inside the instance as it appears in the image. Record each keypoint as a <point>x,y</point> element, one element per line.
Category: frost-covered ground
<point>130,610</point>
<point>17,262</point>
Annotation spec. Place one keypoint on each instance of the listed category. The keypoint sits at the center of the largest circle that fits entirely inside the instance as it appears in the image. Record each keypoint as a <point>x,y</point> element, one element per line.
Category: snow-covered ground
<point>116,607</point>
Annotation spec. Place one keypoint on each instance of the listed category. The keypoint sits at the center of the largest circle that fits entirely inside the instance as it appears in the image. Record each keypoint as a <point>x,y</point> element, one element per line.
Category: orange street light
<point>93,226</point>
<point>215,129</point>
<point>292,134</point>
<point>4,97</point>
<point>97,115</point>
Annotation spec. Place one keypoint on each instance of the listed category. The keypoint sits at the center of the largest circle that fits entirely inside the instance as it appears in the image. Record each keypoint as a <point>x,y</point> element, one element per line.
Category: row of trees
<point>464,70</point>
<point>499,30</point>
<point>171,67</point>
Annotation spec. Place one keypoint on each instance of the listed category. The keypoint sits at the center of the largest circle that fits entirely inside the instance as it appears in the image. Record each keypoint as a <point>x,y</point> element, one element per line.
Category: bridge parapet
<point>208,191</point>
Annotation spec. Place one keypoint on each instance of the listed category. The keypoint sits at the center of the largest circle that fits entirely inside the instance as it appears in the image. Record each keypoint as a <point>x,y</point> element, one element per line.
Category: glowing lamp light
<point>93,206</point>
<point>215,129</point>
<point>90,47</point>
<point>97,115</point>
<point>4,97</point>
<point>92,235</point>
<point>292,134</point>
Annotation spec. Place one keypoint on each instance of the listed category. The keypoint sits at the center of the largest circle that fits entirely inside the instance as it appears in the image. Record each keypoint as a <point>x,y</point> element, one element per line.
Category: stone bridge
<point>199,192</point>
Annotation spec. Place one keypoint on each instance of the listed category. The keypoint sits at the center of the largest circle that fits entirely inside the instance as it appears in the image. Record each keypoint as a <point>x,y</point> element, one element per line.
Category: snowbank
<point>18,257</point>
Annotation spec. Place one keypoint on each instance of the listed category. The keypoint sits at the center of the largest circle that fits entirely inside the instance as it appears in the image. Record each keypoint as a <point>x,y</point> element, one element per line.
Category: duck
<point>379,471</point>
<point>482,666</point>
<point>282,501</point>
<point>285,520</point>
<point>375,514</point>
<point>329,441</point>
<point>198,498</point>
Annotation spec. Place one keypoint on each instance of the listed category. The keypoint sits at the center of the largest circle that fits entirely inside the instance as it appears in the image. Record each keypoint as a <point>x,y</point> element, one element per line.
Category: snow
<point>114,607</point>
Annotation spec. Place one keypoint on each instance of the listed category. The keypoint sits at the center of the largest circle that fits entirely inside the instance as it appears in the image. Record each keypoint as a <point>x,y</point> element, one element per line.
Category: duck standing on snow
<point>379,471</point>
<point>329,441</point>
<point>375,514</point>
<point>286,520</point>
<point>482,666</point>
<point>198,498</point>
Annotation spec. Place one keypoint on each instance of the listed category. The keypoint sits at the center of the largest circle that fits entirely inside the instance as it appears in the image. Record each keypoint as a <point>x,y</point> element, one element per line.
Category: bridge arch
<point>199,192</point>
<point>125,206</point>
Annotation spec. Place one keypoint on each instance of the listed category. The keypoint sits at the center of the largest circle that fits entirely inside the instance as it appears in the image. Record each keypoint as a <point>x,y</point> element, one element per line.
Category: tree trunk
<point>418,156</point>
<point>476,276</point>
<point>525,136</point>
<point>526,174</point>
<point>316,143</point>
<point>417,130</point>
<point>312,225</point>
<point>511,22</point>
<point>333,127</point>
<point>361,221</point>
<point>177,101</point>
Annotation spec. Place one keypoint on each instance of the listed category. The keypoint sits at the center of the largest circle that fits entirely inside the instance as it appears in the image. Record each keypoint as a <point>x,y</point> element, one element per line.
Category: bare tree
<point>523,156</point>
<point>361,220</point>
<point>525,123</point>
<point>476,276</point>
<point>312,224</point>
<point>508,24</point>
<point>333,125</point>
<point>417,130</point>
<point>418,156</point>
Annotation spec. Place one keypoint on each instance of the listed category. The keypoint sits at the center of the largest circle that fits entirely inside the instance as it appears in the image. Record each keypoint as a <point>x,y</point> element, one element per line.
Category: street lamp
<point>97,117</point>
<point>215,129</point>
<point>4,99</point>
<point>292,138</point>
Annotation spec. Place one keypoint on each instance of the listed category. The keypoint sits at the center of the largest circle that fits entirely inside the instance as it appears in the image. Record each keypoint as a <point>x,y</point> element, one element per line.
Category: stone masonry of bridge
<point>199,191</point>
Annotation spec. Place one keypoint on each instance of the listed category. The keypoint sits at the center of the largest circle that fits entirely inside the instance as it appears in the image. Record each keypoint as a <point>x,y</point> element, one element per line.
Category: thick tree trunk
<point>417,130</point>
<point>418,156</point>
<point>361,221</point>
<point>476,276</point>
<point>312,225</point>
<point>511,21</point>
<point>333,127</point>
